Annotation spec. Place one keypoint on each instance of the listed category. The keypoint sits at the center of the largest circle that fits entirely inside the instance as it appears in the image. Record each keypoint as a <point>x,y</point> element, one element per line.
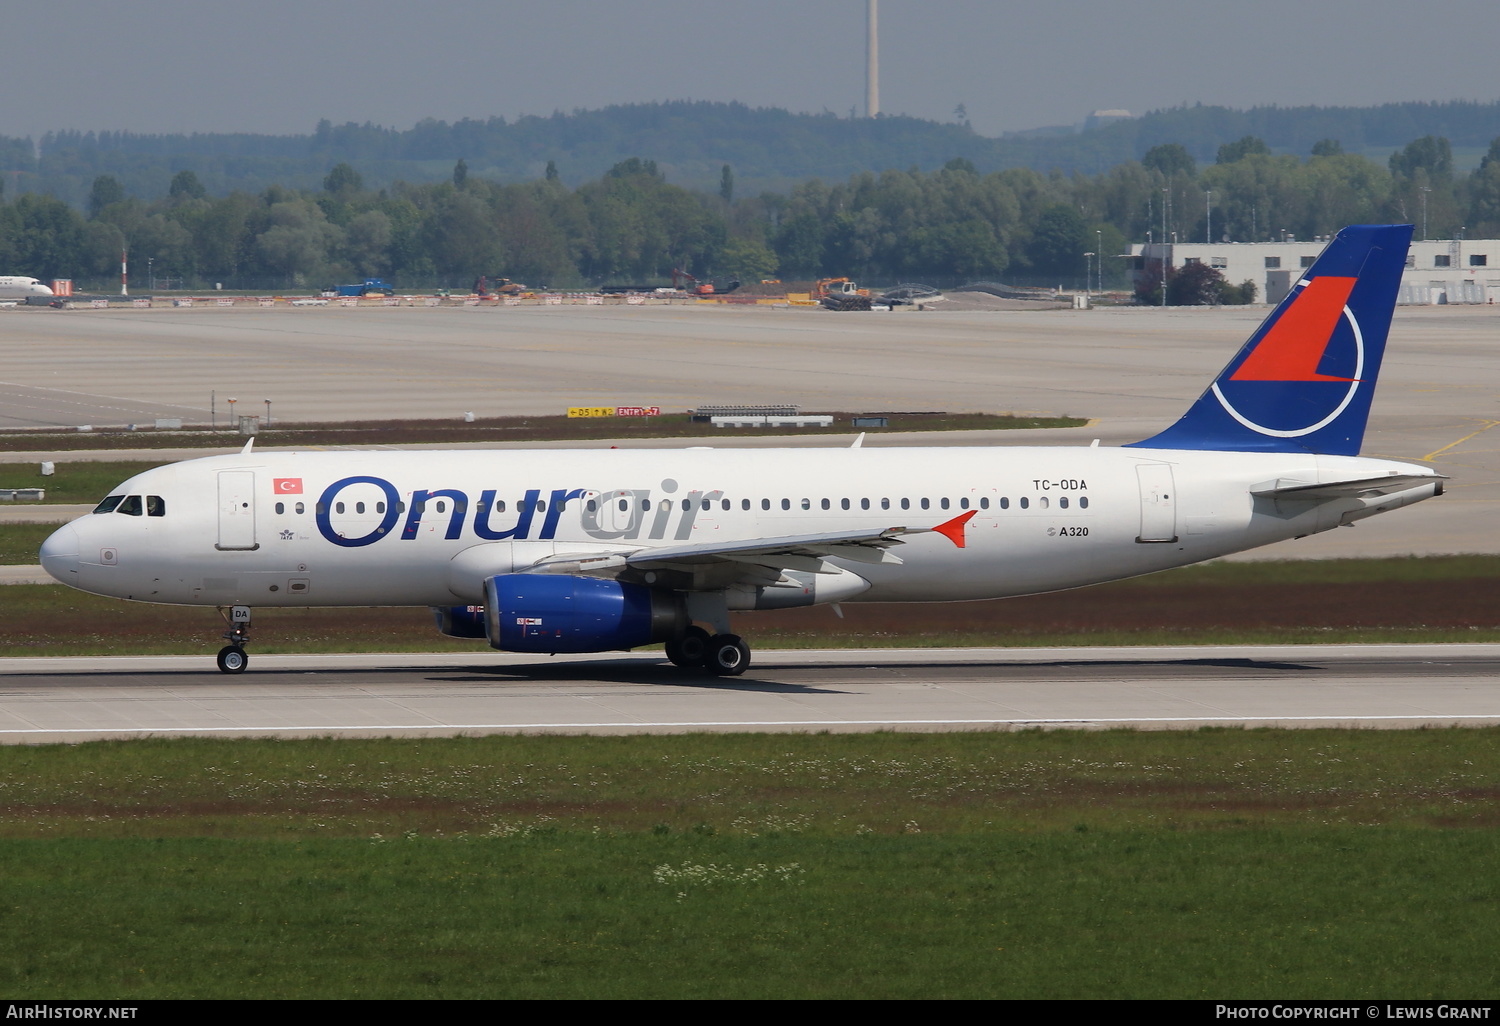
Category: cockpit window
<point>131,506</point>
<point>156,506</point>
<point>109,504</point>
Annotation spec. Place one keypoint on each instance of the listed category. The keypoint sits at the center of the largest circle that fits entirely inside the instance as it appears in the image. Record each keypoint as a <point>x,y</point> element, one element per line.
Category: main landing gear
<point>724,655</point>
<point>232,657</point>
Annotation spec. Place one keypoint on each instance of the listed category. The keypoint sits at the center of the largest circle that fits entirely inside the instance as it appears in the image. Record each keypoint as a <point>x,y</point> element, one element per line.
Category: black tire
<point>690,650</point>
<point>232,659</point>
<point>728,656</point>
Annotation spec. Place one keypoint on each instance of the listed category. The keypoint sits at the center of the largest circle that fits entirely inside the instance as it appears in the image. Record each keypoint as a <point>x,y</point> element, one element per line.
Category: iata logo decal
<point>1312,358</point>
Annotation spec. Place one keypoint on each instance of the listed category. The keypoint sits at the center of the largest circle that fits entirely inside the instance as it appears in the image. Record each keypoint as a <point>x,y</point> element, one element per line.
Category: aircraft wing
<point>1364,488</point>
<point>756,560</point>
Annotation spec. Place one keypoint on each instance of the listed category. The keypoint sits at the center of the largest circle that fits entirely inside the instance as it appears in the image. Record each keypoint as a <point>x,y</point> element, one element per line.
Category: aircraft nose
<point>59,555</point>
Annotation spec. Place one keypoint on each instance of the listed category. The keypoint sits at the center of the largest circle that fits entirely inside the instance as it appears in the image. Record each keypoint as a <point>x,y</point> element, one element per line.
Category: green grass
<point>19,542</point>
<point>1206,864</point>
<point>74,481</point>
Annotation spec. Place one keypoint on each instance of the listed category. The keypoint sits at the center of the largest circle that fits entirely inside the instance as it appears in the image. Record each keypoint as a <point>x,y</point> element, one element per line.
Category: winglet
<point>248,446</point>
<point>953,530</point>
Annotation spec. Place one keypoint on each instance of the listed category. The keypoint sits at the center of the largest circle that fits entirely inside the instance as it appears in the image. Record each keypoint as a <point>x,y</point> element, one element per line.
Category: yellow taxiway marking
<point>1435,454</point>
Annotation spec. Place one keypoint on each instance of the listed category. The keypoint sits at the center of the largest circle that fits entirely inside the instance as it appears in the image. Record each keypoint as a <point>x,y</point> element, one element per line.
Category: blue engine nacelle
<point>460,621</point>
<point>547,613</point>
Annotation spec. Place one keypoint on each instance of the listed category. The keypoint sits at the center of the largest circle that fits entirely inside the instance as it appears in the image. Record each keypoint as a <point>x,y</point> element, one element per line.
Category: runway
<point>78,699</point>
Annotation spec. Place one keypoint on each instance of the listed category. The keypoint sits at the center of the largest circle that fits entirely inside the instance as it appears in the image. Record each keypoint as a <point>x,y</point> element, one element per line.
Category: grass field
<point>1219,863</point>
<point>1441,598</point>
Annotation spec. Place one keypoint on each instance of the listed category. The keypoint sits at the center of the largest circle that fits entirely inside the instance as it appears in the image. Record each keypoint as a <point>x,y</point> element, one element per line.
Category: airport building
<point>1437,271</point>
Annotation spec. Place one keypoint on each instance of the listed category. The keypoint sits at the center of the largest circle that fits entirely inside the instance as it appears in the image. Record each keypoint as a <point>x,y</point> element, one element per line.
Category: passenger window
<point>807,504</point>
<point>500,506</point>
<point>280,508</point>
<point>1044,502</point>
<point>359,507</point>
<point>591,506</point>
<point>706,504</point>
<point>540,504</point>
<point>624,505</point>
<point>943,503</point>
<point>984,502</point>
<point>864,503</point>
<point>825,504</point>
<point>885,503</point>
<point>925,504</point>
<point>1083,502</point>
<point>725,504</point>
<point>963,503</point>
<point>379,507</point>
<point>108,504</point>
<point>338,507</point>
<point>1004,502</point>
<point>744,504</point>
<point>303,509</point>
<point>1025,502</point>
<point>156,506</point>
<point>1062,502</point>
<point>786,503</point>
<point>843,503</point>
<point>765,503</point>
<point>906,504</point>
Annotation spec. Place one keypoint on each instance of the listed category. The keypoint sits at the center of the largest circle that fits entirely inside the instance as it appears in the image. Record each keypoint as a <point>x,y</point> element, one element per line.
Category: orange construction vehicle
<point>841,294</point>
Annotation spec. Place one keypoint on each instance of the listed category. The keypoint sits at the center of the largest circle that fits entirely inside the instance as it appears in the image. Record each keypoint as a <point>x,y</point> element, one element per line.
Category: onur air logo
<point>1305,369</point>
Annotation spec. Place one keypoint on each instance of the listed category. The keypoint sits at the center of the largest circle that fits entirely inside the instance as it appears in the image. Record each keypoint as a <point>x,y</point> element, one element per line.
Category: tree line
<point>633,225</point>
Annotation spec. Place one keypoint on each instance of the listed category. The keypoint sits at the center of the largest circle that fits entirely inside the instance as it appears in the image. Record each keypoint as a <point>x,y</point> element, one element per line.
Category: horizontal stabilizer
<point>1365,488</point>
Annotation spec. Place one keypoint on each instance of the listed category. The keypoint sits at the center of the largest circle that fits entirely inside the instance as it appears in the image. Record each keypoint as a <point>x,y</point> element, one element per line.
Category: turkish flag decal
<point>287,485</point>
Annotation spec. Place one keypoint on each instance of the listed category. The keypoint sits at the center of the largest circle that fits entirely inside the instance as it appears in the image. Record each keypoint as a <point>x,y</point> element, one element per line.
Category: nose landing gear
<point>232,657</point>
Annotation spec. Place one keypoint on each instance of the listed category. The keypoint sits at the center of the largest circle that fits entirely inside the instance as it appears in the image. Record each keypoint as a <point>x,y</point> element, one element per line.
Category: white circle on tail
<point>1357,380</point>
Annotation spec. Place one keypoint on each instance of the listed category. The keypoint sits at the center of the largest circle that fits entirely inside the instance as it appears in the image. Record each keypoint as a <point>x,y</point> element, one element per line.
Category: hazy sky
<point>278,66</point>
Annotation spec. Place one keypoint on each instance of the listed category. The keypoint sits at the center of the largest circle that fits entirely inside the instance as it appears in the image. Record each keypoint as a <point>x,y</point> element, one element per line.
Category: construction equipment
<point>694,287</point>
<point>368,287</point>
<point>841,294</point>
<point>487,285</point>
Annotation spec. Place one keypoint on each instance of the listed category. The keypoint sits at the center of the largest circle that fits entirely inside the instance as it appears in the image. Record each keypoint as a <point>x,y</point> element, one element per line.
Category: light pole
<point>232,422</point>
<point>1099,267</point>
<point>1208,218</point>
<point>1088,273</point>
<point>1425,191</point>
<point>1166,196</point>
<point>268,413</point>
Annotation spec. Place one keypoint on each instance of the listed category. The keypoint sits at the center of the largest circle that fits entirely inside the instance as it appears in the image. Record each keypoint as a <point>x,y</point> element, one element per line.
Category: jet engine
<point>557,613</point>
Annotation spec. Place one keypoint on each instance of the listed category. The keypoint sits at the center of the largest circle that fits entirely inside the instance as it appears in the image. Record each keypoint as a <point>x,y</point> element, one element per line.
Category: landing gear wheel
<point>691,649</point>
<point>232,659</point>
<point>728,656</point>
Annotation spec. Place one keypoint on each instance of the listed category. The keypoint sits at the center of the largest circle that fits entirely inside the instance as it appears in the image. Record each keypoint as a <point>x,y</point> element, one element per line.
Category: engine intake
<point>556,613</point>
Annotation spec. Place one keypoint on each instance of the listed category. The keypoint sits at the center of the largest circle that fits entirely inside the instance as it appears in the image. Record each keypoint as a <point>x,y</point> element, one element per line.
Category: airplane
<point>16,287</point>
<point>602,550</point>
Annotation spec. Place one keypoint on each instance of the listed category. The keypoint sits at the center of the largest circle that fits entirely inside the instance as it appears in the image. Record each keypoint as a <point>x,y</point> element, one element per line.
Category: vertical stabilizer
<point>1304,381</point>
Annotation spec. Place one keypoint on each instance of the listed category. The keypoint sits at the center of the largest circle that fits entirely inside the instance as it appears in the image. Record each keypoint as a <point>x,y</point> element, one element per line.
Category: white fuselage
<point>277,528</point>
<point>16,287</point>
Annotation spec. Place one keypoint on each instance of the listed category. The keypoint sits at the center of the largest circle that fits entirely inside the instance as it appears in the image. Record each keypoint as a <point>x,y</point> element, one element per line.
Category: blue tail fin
<point>1304,381</point>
